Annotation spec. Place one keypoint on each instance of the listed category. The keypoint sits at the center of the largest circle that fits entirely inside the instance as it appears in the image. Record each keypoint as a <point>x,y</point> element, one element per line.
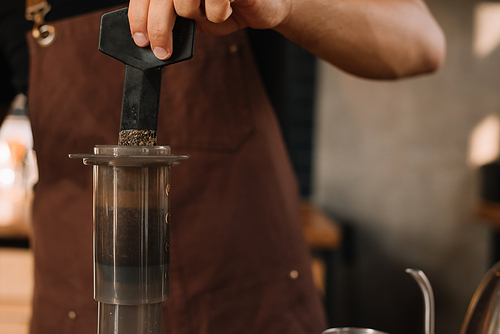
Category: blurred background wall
<point>397,163</point>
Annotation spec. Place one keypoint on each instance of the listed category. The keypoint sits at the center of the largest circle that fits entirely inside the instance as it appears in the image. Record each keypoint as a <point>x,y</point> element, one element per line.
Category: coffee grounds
<point>137,138</point>
<point>121,237</point>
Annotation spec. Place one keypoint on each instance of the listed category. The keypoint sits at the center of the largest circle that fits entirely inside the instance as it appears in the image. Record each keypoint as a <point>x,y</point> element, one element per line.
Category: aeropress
<point>131,191</point>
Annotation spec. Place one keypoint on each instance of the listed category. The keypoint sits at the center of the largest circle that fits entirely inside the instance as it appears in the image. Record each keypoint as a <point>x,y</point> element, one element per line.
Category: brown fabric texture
<point>235,229</point>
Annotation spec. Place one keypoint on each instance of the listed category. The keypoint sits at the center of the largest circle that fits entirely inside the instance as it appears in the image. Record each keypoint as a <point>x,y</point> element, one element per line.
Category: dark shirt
<point>14,59</point>
<point>13,50</point>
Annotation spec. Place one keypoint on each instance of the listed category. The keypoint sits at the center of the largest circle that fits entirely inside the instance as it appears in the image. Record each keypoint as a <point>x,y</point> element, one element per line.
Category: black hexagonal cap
<point>116,41</point>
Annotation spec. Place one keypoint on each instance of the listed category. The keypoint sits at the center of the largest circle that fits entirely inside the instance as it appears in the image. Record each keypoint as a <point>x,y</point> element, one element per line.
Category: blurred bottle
<point>18,171</point>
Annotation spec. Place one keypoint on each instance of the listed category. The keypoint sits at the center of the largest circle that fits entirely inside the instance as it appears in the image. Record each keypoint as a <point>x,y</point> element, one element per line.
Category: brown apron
<point>236,239</point>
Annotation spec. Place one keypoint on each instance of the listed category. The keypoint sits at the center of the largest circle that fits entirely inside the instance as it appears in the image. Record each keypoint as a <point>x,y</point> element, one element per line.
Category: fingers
<point>218,11</point>
<point>152,21</point>
<point>138,17</point>
<point>160,22</point>
<point>191,9</point>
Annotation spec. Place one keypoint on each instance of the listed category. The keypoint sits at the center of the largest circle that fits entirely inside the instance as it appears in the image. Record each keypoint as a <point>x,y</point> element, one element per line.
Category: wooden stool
<point>323,235</point>
<point>489,213</point>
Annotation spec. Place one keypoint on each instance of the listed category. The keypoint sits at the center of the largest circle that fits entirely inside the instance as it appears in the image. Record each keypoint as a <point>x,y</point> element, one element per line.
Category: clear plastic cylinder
<point>131,239</point>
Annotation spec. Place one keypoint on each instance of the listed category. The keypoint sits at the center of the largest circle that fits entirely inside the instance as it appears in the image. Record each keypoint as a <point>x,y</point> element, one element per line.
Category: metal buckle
<point>43,33</point>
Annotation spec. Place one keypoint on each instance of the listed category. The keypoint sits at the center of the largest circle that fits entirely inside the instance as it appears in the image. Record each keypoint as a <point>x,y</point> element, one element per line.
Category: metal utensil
<point>483,314</point>
<point>428,295</point>
<point>352,330</point>
<point>426,288</point>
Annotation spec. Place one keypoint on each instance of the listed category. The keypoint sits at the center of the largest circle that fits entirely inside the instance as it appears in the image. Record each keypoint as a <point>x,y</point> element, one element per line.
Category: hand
<point>378,39</point>
<point>152,21</point>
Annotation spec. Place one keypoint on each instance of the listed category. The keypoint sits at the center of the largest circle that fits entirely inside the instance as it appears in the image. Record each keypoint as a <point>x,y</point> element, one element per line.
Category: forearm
<point>380,39</point>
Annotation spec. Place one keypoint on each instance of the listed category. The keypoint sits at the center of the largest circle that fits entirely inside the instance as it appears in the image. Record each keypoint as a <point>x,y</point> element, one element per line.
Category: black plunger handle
<point>142,85</point>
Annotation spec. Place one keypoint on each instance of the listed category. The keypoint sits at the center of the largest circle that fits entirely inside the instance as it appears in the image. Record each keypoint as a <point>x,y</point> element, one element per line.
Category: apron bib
<point>235,229</point>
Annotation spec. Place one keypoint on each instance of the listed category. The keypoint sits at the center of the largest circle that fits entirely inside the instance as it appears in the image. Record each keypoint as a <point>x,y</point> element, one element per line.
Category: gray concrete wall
<point>391,161</point>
